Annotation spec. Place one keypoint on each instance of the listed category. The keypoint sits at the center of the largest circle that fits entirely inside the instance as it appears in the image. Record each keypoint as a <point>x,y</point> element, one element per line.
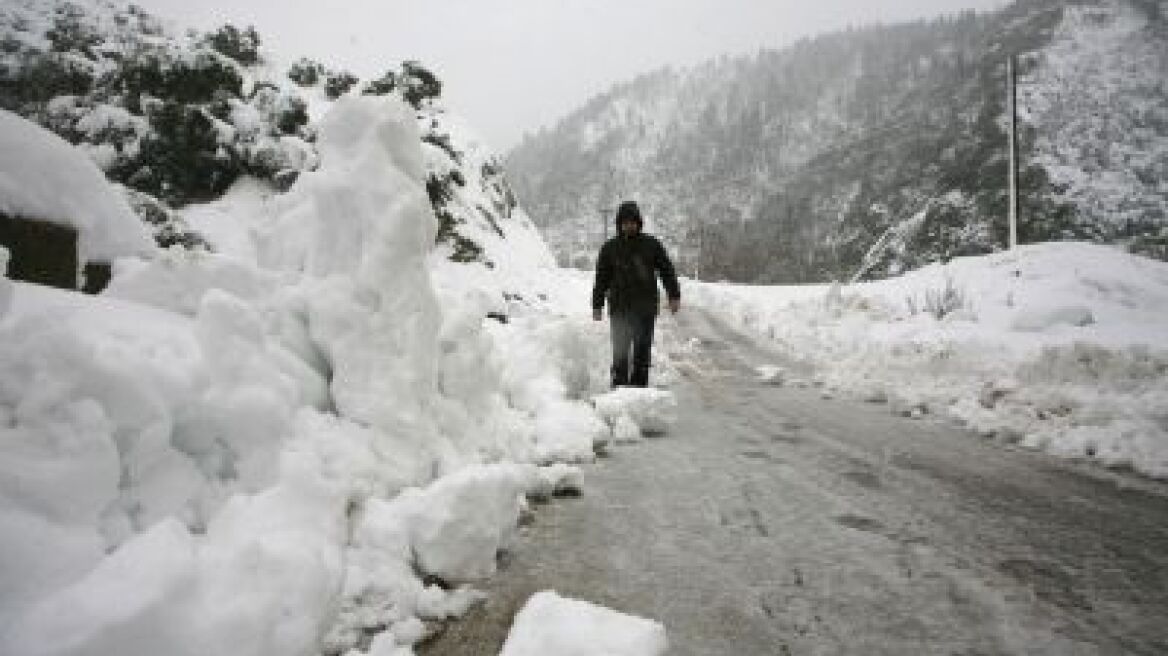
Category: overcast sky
<point>512,66</point>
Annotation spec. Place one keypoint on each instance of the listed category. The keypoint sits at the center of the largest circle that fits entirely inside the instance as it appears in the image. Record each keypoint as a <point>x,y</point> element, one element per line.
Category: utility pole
<point>1012,110</point>
<point>701,245</point>
<point>606,193</point>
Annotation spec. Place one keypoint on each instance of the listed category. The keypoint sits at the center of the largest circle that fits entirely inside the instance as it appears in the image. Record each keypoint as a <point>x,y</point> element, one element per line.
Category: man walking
<point>626,274</point>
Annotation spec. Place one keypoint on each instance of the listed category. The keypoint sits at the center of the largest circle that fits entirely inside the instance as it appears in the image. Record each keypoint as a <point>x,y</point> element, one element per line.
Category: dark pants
<point>635,330</point>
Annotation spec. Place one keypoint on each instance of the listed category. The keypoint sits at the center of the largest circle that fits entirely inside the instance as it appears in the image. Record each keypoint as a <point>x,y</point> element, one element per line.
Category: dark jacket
<point>626,274</point>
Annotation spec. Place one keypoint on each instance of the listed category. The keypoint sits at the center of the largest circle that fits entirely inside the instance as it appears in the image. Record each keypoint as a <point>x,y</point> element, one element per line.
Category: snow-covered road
<point>771,520</point>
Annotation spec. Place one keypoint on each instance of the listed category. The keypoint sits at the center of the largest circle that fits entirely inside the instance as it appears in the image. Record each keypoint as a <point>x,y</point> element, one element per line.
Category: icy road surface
<point>774,521</point>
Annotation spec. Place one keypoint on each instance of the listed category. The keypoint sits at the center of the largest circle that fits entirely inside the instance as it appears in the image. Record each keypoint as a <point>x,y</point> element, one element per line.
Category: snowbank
<point>450,530</point>
<point>145,478</point>
<point>551,624</point>
<point>1060,346</point>
<point>43,177</point>
<point>299,441</point>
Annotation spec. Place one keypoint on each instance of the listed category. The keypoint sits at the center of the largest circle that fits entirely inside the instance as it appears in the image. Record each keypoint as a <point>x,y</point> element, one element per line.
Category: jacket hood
<point>629,210</point>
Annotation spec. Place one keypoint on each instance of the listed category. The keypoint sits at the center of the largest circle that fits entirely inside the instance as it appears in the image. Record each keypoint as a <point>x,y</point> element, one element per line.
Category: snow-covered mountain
<point>789,165</point>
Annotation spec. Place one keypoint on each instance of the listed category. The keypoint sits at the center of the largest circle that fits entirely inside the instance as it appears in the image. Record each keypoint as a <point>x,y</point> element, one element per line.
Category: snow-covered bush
<point>169,229</point>
<point>71,32</point>
<point>338,83</point>
<point>1151,245</point>
<point>241,45</point>
<point>939,302</point>
<point>277,108</point>
<point>383,85</point>
<point>174,75</point>
<point>306,72</point>
<point>41,77</point>
<point>418,84</point>
<point>181,160</point>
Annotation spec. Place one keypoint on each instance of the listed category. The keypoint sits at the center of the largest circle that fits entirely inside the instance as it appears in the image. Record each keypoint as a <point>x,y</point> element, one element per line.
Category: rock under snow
<point>33,164</point>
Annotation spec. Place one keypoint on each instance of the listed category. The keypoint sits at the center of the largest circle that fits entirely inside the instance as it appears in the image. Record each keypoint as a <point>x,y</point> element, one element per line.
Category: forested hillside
<point>790,165</point>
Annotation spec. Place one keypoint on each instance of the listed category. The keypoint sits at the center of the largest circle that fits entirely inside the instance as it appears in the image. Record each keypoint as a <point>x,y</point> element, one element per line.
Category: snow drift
<point>1059,346</point>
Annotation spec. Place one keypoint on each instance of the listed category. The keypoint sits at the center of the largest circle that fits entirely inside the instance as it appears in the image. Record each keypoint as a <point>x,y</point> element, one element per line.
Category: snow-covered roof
<point>43,177</point>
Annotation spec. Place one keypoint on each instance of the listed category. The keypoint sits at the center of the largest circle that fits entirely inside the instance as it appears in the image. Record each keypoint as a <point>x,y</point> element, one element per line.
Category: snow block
<point>551,624</point>
<point>557,479</point>
<point>652,410</point>
<point>455,527</point>
<point>769,374</point>
<point>568,431</point>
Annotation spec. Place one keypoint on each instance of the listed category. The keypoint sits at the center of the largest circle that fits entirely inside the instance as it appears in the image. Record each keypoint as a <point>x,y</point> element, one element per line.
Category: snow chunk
<point>43,177</point>
<point>551,624</point>
<point>625,430</point>
<point>557,479</point>
<point>568,431</point>
<point>652,410</point>
<point>456,526</point>
<point>770,374</point>
<point>120,606</point>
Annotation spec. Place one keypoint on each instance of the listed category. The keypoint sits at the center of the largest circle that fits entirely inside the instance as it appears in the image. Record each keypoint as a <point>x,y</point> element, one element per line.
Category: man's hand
<point>674,305</point>
<point>596,314</point>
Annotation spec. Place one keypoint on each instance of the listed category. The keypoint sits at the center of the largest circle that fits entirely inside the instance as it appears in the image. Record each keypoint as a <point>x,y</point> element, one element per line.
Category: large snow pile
<point>273,449</point>
<point>551,624</point>
<point>33,164</point>
<point>1062,346</point>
